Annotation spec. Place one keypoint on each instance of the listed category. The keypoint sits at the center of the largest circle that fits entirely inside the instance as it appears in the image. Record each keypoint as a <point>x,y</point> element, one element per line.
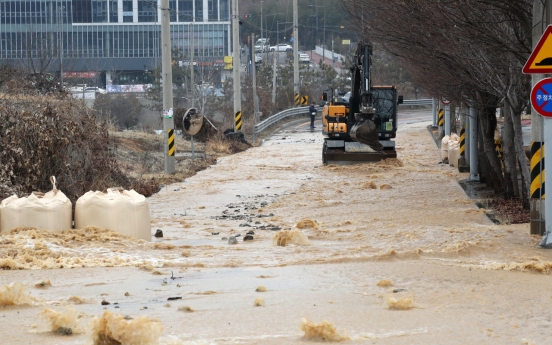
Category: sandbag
<point>444,146</point>
<point>454,154</point>
<point>122,211</point>
<point>51,211</point>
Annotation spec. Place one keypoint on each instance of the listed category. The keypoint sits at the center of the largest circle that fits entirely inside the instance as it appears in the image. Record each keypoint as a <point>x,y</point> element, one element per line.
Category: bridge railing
<point>417,102</point>
<point>268,123</point>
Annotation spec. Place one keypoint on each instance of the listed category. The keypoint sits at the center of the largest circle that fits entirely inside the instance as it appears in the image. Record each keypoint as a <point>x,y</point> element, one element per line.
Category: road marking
<point>306,123</point>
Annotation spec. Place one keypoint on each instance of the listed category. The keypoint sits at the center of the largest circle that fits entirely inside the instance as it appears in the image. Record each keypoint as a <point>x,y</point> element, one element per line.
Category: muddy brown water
<point>469,281</point>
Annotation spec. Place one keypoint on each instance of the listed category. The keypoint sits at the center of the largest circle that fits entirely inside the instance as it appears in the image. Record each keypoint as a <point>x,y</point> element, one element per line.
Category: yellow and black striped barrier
<point>441,117</point>
<point>498,148</point>
<point>537,170</point>
<point>462,142</point>
<point>297,100</point>
<point>305,100</point>
<point>238,120</point>
<point>171,143</point>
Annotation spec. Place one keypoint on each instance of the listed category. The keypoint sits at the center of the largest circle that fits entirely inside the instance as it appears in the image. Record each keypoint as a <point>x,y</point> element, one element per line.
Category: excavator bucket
<point>365,132</point>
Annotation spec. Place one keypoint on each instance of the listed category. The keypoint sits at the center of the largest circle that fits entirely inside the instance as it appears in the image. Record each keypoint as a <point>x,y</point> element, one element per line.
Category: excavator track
<point>342,154</point>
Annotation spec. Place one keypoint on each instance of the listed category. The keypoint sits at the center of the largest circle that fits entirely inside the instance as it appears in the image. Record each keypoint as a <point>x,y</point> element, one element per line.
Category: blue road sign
<point>541,97</point>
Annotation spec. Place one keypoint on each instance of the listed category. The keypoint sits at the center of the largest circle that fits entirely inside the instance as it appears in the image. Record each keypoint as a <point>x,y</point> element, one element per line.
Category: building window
<point>185,10</point>
<point>224,10</point>
<point>213,10</point>
<point>198,10</point>
<point>127,11</point>
<point>147,12</point>
<point>82,11</point>
<point>99,11</point>
<point>113,11</point>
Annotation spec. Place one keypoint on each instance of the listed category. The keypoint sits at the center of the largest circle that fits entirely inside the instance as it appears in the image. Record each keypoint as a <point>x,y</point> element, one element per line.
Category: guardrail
<point>274,119</point>
<point>414,102</point>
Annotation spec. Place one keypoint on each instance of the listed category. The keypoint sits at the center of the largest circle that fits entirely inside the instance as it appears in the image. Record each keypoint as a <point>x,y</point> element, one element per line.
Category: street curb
<point>437,142</point>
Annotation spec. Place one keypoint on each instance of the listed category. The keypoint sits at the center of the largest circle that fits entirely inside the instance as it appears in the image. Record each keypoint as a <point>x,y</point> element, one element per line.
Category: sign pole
<point>547,238</point>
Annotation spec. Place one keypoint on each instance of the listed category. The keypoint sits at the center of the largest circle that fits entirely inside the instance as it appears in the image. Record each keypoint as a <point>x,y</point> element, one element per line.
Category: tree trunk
<point>487,121</point>
<point>522,159</point>
<point>509,155</point>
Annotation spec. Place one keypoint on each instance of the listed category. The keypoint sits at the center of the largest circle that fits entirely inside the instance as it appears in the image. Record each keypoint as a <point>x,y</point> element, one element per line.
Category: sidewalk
<point>317,58</point>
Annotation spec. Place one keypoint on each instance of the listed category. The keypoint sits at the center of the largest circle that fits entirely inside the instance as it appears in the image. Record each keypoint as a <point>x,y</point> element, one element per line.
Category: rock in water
<point>248,238</point>
<point>159,233</point>
<point>232,240</point>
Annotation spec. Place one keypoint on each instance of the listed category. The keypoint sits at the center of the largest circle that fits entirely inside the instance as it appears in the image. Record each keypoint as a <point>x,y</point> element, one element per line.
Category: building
<point>110,43</point>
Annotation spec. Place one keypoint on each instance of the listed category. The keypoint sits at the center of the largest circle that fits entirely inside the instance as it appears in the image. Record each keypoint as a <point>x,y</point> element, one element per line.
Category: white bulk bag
<point>444,146</point>
<point>454,154</point>
<point>51,211</point>
<point>123,211</point>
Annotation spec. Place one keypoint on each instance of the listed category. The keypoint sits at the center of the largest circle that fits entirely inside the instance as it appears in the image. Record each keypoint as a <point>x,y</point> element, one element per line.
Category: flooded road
<point>388,253</point>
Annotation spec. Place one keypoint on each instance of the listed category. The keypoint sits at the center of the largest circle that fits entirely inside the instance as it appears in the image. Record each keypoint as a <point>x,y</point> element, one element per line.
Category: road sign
<point>541,97</point>
<point>540,61</point>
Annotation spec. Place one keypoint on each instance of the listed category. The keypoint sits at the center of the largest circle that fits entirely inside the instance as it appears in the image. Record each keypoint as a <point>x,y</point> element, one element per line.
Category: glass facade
<point>110,34</point>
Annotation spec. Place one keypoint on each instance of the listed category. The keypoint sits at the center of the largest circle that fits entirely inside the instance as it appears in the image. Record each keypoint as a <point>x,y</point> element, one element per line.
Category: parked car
<point>258,58</point>
<point>281,48</point>
<point>77,88</point>
<point>96,90</point>
<point>304,57</point>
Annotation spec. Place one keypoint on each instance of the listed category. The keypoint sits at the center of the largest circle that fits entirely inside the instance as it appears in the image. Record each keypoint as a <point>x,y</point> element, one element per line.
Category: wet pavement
<point>408,220</point>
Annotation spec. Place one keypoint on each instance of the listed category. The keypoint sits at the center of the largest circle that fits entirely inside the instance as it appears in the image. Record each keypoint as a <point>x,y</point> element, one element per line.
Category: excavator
<point>359,128</point>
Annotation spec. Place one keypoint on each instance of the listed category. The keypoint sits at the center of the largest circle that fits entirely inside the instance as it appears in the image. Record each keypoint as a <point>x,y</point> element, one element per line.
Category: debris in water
<point>186,309</point>
<point>324,331</point>
<point>384,283</point>
<point>112,329</point>
<point>285,237</point>
<point>104,302</point>
<point>259,302</point>
<point>306,223</point>
<point>127,294</point>
<point>15,294</point>
<point>173,298</point>
<point>65,331</point>
<point>43,283</point>
<point>261,288</point>
<point>385,186</point>
<point>159,233</point>
<point>159,245</point>
<point>76,300</point>
<point>404,303</point>
<point>262,276</point>
<point>369,185</point>
<point>64,322</point>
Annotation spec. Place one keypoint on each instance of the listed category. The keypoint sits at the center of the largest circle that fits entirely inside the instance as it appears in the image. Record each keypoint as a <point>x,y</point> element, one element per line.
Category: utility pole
<point>60,43</point>
<point>166,70</point>
<point>537,225</point>
<point>192,83</point>
<point>324,43</point>
<point>295,50</point>
<point>236,64</point>
<point>254,75</point>
<point>274,76</point>
<point>262,23</point>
